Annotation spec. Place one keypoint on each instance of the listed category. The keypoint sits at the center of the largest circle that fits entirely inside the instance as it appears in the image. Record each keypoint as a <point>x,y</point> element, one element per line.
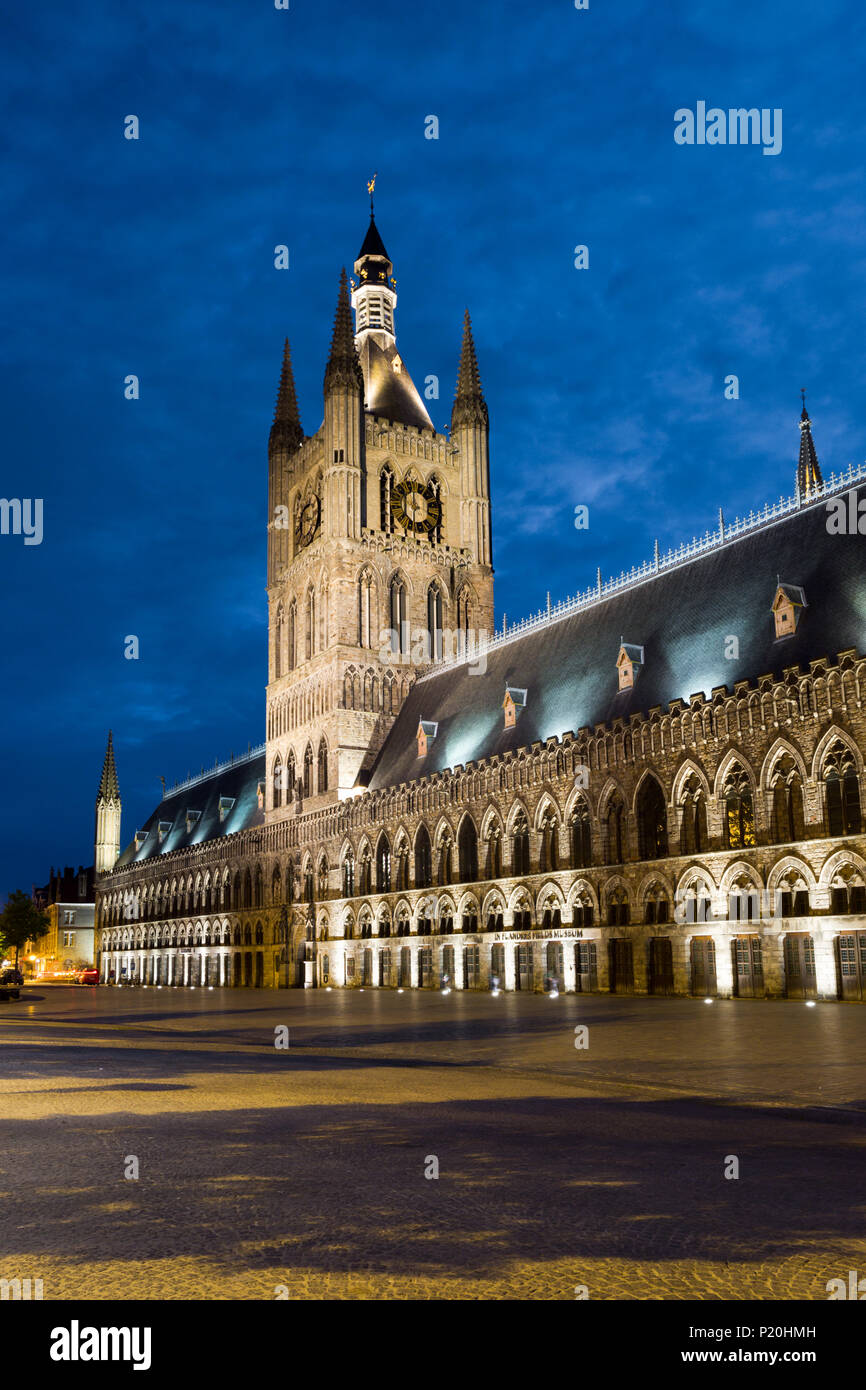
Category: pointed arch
<point>467,850</point>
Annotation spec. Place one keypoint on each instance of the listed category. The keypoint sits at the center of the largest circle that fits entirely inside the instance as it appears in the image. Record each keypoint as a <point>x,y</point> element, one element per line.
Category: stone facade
<point>712,846</point>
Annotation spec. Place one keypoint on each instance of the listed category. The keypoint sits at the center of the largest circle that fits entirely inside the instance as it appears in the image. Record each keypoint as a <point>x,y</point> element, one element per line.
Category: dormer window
<point>628,664</point>
<point>140,837</point>
<point>226,804</point>
<point>163,828</point>
<point>513,703</point>
<point>788,603</point>
<point>192,819</point>
<point>427,731</point>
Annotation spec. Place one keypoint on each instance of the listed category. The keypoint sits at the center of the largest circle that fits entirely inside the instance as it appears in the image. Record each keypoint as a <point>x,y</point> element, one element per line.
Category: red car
<point>88,977</point>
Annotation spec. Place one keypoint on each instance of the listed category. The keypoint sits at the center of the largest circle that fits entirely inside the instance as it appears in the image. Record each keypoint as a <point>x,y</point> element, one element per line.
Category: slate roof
<point>239,780</point>
<point>389,393</point>
<point>681,616</point>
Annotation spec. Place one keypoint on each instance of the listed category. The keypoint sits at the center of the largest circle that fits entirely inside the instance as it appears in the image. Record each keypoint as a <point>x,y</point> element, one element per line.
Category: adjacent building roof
<point>702,623</point>
<point>238,780</point>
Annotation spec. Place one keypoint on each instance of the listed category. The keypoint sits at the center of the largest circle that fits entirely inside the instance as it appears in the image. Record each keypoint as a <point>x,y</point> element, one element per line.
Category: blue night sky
<point>260,127</point>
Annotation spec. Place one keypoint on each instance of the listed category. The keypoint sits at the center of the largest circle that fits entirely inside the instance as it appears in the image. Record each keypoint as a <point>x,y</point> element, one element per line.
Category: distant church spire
<point>808,468</point>
<point>343,367</point>
<point>107,837</point>
<point>470,406</point>
<point>286,431</point>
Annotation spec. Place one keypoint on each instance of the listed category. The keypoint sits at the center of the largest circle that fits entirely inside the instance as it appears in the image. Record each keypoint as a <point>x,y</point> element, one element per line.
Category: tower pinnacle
<point>286,431</point>
<point>343,367</point>
<point>470,406</point>
<point>809,477</point>
<point>107,837</point>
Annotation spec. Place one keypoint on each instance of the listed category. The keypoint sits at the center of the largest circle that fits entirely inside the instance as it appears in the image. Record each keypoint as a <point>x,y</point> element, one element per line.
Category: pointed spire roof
<point>343,367</point>
<point>808,468</point>
<point>373,243</point>
<point>108,786</point>
<point>470,406</point>
<point>286,431</point>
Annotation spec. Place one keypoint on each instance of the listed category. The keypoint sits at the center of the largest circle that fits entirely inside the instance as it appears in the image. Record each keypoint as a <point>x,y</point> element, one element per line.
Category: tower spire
<point>286,431</point>
<point>344,368</point>
<point>108,807</point>
<point>108,787</point>
<point>470,406</point>
<point>809,477</point>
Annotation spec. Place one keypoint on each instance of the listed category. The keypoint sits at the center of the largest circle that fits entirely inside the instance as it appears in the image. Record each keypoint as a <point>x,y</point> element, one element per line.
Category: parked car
<point>88,977</point>
<point>11,981</point>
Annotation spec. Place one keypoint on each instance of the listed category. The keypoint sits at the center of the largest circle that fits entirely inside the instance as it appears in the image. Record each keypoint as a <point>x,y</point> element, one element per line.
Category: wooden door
<point>621,966</point>
<point>748,967</point>
<point>585,967</point>
<point>851,965</point>
<point>800,978</point>
<point>660,975</point>
<point>703,951</point>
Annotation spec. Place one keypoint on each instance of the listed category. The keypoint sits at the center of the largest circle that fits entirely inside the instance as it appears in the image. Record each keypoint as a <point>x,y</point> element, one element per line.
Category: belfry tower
<point>379,545</point>
<point>108,808</point>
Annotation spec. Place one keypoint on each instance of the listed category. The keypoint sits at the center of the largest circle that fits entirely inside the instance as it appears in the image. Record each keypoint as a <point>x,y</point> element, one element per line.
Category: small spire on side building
<point>809,477</point>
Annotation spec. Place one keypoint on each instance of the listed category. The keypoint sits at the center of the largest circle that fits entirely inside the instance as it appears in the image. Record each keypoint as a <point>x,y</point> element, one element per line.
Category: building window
<point>386,487</point>
<point>365,610</point>
<point>549,849</point>
<point>308,771</point>
<point>739,811</point>
<point>494,853</point>
<point>467,848</point>
<point>434,622</point>
<point>383,865</point>
<point>693,835</point>
<point>614,826</point>
<point>399,625</point>
<point>349,876</point>
<point>520,846</point>
<point>423,859</point>
<point>323,767</point>
<point>652,829</point>
<point>843,794</point>
<point>581,837</point>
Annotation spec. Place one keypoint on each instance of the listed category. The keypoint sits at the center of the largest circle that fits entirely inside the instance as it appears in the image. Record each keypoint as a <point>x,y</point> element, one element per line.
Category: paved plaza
<point>305,1168</point>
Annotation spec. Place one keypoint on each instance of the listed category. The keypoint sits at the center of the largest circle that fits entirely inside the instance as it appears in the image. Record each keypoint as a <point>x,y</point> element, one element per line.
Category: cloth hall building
<point>656,786</point>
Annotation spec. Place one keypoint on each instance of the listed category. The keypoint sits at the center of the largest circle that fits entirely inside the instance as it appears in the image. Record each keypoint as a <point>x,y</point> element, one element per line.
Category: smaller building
<point>69,944</point>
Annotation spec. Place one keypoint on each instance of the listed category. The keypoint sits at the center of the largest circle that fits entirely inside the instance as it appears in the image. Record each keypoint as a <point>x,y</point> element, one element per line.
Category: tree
<point>20,922</point>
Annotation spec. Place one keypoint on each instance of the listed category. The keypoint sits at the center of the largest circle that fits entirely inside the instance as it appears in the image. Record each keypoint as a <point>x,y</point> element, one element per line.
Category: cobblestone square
<point>263,1169</point>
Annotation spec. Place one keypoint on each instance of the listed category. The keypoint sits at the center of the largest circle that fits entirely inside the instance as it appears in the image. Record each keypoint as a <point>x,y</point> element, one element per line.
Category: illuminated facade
<point>654,787</point>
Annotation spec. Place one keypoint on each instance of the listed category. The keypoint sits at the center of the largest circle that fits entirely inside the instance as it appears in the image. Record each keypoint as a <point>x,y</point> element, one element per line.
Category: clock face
<point>416,507</point>
<point>307,522</point>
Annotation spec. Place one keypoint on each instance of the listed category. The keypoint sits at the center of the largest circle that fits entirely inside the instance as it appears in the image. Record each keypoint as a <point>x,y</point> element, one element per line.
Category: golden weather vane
<point>371,184</point>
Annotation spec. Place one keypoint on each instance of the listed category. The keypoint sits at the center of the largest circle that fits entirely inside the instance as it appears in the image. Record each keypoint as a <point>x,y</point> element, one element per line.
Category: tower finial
<point>371,184</point>
<point>469,404</point>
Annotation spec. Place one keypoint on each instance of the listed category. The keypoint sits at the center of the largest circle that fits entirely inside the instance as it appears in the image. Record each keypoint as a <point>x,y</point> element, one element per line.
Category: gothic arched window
<point>423,859</point>
<point>788,818</point>
<point>434,622</point>
<point>693,834</point>
<point>549,846</point>
<point>615,831</point>
<point>292,645</point>
<point>308,771</point>
<point>349,875</point>
<point>383,865</point>
<point>290,777</point>
<point>386,487</point>
<point>323,767</point>
<point>365,610</point>
<point>581,837</point>
<point>739,810</point>
<point>400,641</point>
<point>652,824</point>
<point>843,792</point>
<point>467,850</point>
<point>311,622</point>
<point>278,781</point>
<point>494,852</point>
<point>520,846</point>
